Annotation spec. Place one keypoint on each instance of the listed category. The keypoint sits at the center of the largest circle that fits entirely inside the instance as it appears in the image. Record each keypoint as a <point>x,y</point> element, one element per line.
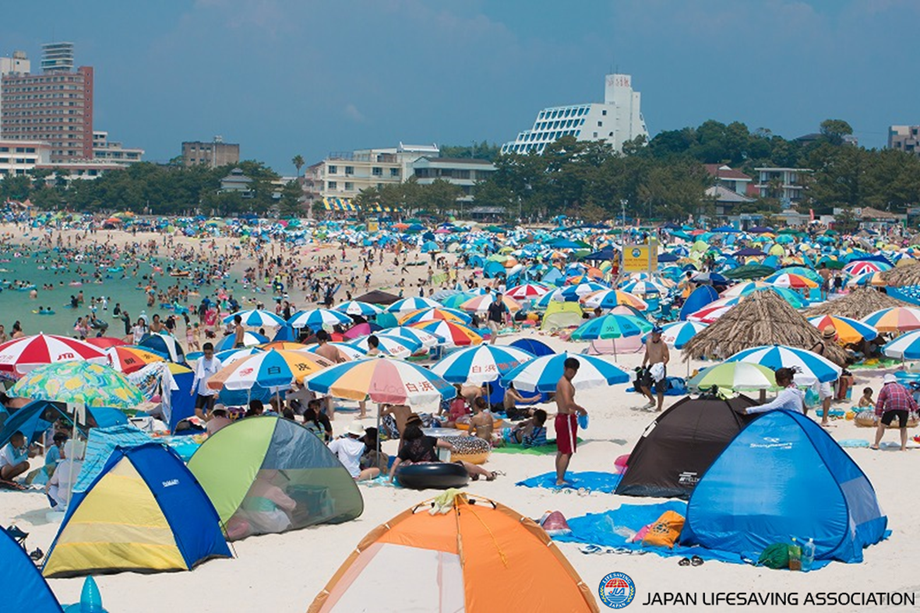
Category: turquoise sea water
<point>40,268</point>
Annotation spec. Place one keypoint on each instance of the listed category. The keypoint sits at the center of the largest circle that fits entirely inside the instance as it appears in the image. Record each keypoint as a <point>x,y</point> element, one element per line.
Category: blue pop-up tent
<point>781,477</point>
<point>37,417</point>
<point>697,299</point>
<point>22,586</point>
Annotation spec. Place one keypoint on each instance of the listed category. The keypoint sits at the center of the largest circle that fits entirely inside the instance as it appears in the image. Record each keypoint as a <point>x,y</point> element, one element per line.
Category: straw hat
<point>356,429</point>
<point>829,332</point>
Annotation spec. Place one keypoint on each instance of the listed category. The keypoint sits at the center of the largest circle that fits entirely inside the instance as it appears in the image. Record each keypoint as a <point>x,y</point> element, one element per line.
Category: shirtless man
<point>239,332</point>
<point>656,352</point>
<point>331,353</point>
<point>566,419</point>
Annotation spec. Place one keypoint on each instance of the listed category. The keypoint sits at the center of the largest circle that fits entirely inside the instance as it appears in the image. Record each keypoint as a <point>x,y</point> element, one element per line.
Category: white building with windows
<point>19,157</point>
<point>104,149</point>
<point>784,184</point>
<point>344,175</point>
<point>616,120</point>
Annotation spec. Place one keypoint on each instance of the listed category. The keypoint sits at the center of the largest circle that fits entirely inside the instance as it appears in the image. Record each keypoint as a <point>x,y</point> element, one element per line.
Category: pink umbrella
<point>357,331</point>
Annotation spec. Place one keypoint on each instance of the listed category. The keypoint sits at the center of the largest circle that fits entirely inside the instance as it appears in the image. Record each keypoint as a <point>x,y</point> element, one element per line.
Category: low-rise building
<point>464,173</point>
<point>345,174</point>
<point>104,149</point>
<point>213,154</point>
<point>19,157</point>
<point>88,170</point>
<point>904,138</point>
<point>784,184</point>
<point>237,181</point>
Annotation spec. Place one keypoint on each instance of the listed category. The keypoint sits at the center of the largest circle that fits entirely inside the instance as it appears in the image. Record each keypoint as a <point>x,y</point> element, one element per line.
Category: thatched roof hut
<point>899,276</point>
<point>857,304</point>
<point>762,318</point>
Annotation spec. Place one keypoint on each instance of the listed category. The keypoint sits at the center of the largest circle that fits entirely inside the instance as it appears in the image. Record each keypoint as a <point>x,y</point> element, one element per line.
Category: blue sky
<point>283,77</point>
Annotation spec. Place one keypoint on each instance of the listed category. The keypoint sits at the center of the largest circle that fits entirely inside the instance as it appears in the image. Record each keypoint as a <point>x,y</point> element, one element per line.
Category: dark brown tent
<point>679,446</point>
<point>378,297</point>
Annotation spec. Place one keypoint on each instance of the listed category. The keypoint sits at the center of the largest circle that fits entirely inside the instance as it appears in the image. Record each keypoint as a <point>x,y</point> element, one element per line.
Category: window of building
<point>377,171</point>
<point>349,170</point>
<point>334,185</point>
<point>600,124</point>
<point>595,135</point>
<point>604,112</point>
<point>394,172</point>
<point>333,170</point>
<point>349,186</point>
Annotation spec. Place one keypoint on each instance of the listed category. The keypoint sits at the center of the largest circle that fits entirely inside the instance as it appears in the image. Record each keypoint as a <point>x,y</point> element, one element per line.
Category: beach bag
<point>665,531</point>
<point>775,556</point>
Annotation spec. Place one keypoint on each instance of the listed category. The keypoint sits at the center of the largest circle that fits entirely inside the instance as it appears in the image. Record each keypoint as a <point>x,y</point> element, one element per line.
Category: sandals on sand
<point>694,561</point>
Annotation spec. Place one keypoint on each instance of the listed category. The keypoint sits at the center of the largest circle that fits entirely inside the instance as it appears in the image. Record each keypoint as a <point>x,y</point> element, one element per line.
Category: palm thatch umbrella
<point>855,305</point>
<point>899,276</point>
<point>763,318</point>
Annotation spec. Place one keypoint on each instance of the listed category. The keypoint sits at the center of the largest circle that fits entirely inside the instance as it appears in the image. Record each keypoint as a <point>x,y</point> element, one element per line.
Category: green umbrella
<point>93,385</point>
<point>611,326</point>
<point>734,376</point>
<point>749,271</point>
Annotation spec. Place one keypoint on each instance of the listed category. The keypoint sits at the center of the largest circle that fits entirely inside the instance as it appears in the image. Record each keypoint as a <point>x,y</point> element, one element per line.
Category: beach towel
<point>589,480</point>
<point>513,448</point>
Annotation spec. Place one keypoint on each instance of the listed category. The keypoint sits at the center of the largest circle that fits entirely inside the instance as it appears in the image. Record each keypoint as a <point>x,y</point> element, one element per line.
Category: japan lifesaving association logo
<point>636,252</point>
<point>617,590</point>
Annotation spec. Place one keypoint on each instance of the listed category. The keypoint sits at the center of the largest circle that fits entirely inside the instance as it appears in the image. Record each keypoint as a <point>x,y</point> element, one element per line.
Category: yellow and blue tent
<point>144,512</point>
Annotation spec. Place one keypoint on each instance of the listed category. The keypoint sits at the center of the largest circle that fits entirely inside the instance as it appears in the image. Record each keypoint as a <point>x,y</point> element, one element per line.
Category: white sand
<point>282,573</point>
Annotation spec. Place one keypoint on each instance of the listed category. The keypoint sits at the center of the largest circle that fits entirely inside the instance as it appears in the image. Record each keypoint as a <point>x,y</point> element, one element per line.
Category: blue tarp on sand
<point>589,480</point>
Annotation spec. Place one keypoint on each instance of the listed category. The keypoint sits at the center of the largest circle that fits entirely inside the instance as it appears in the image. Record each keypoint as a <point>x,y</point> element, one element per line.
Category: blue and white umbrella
<point>249,339</point>
<point>164,344</point>
<point>407,305</point>
<point>257,318</point>
<point>905,347</point>
<point>810,366</point>
<point>479,364</point>
<point>677,334</point>
<point>395,346</point>
<point>426,339</point>
<point>543,373</point>
<point>350,351</point>
<point>316,319</point>
<point>573,293</point>
<point>228,356</point>
<point>356,307</point>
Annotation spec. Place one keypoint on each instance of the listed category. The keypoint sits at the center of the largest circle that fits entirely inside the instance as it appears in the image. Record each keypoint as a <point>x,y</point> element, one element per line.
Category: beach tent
<point>784,476</point>
<point>678,447</point>
<point>144,512</point>
<point>164,345</point>
<point>37,417</point>
<point>268,474</point>
<point>22,585</point>
<point>697,299</point>
<point>475,556</point>
<point>179,403</point>
<point>561,315</point>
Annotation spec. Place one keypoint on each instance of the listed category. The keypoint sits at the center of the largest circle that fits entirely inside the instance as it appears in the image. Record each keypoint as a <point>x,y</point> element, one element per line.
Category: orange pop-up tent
<point>466,554</point>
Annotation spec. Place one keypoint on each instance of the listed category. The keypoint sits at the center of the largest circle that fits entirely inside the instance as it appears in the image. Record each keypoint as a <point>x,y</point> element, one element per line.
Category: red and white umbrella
<point>527,290</point>
<point>21,355</point>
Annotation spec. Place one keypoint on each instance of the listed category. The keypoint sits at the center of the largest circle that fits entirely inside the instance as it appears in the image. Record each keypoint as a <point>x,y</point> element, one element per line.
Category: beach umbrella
<point>905,347</point>
<point>167,345</point>
<point>611,326</point>
<point>848,330</point>
<point>435,314</point>
<point>356,307</point>
<point>250,339</point>
<point>895,319</point>
<point>644,287</point>
<point>861,267</point>
<point>480,304</point>
<point>316,319</point>
<point>229,356</point>
<point>868,279</point>
<point>543,373</point>
<point>527,290</point>
<point>287,345</point>
<point>407,305</point>
<point>256,318</point>
<point>735,376</point>
<point>478,365</point>
<point>128,358</point>
<point>791,281</point>
<point>349,351</point>
<point>810,366</point>
<point>394,346</point>
<point>87,383</point>
<point>384,381</point>
<point>610,298</point>
<point>454,335</point>
<point>271,370</point>
<point>677,334</point>
<point>104,342</point>
<point>21,355</point>
<point>425,339</point>
<point>713,311</point>
<point>573,293</point>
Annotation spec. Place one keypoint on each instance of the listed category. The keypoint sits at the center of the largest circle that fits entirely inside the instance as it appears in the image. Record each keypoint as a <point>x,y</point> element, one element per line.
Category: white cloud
<point>352,112</point>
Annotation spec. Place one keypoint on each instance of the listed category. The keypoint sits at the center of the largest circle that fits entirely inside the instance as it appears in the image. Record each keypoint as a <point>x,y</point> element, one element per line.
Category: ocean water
<point>44,267</point>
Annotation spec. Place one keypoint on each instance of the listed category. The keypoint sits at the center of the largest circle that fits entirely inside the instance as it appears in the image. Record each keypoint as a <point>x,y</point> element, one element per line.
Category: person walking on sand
<point>656,357</point>
<point>566,419</point>
<point>893,401</point>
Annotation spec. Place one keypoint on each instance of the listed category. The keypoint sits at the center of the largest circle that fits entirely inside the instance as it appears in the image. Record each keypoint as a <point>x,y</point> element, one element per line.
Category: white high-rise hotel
<point>615,120</point>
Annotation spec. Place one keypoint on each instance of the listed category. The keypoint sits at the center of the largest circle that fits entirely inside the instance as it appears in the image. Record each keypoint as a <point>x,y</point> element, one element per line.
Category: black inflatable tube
<point>435,476</point>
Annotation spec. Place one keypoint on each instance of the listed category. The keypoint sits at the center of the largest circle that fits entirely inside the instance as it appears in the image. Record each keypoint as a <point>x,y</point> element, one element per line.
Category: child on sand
<point>193,337</point>
<point>866,400</point>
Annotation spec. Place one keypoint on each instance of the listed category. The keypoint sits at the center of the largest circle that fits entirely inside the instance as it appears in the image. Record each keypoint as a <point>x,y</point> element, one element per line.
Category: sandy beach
<point>284,572</point>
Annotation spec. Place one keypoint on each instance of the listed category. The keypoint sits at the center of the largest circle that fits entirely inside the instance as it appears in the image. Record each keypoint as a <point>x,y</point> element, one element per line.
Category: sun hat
<point>356,429</point>
<point>829,332</point>
<point>890,378</point>
<point>657,330</point>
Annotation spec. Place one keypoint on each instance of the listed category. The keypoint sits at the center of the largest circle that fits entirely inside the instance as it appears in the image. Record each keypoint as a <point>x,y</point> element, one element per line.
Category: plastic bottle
<point>795,556</point>
<point>808,554</point>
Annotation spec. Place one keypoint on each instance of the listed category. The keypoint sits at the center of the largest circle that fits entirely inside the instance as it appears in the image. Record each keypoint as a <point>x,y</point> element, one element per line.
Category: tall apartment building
<point>55,106</point>
<point>17,64</point>
<point>213,154</point>
<point>904,138</point>
<point>614,121</point>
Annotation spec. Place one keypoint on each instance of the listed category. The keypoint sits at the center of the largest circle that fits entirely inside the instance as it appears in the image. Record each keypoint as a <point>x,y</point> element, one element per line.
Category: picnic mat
<point>589,480</point>
<point>611,530</point>
<point>515,448</point>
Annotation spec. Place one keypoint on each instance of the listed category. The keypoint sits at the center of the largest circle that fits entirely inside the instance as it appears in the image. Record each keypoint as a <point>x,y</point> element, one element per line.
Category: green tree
<point>298,163</point>
<point>834,130</point>
<point>439,197</point>
<point>290,204</point>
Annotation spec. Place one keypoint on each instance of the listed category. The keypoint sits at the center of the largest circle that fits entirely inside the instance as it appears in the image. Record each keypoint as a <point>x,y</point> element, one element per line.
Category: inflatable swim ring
<point>434,475</point>
<point>469,449</point>
<point>48,312</point>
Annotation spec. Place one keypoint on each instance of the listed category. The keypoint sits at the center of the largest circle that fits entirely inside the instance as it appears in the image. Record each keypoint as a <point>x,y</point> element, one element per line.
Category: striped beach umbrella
<point>527,291</point>
<point>895,319</point>
<point>250,339</point>
<point>425,339</point>
<point>167,345</point>
<point>272,370</point>
<point>573,293</point>
<point>394,346</point>
<point>356,307</point>
<point>416,303</point>
<point>611,326</point>
<point>454,335</point>
<point>738,376</point>
<point>21,355</point>
<point>861,267</point>
<point>477,365</point>
<point>790,280</point>
<point>713,311</point>
<point>867,279</point>
<point>480,304</point>
<point>848,330</point>
<point>435,314</point>
<point>644,287</point>
<point>128,358</point>
<point>257,318</point>
<point>905,347</point>
<point>543,373</point>
<point>677,334</point>
<point>316,319</point>
<point>610,298</point>
<point>349,351</point>
<point>388,381</point>
<point>810,366</point>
